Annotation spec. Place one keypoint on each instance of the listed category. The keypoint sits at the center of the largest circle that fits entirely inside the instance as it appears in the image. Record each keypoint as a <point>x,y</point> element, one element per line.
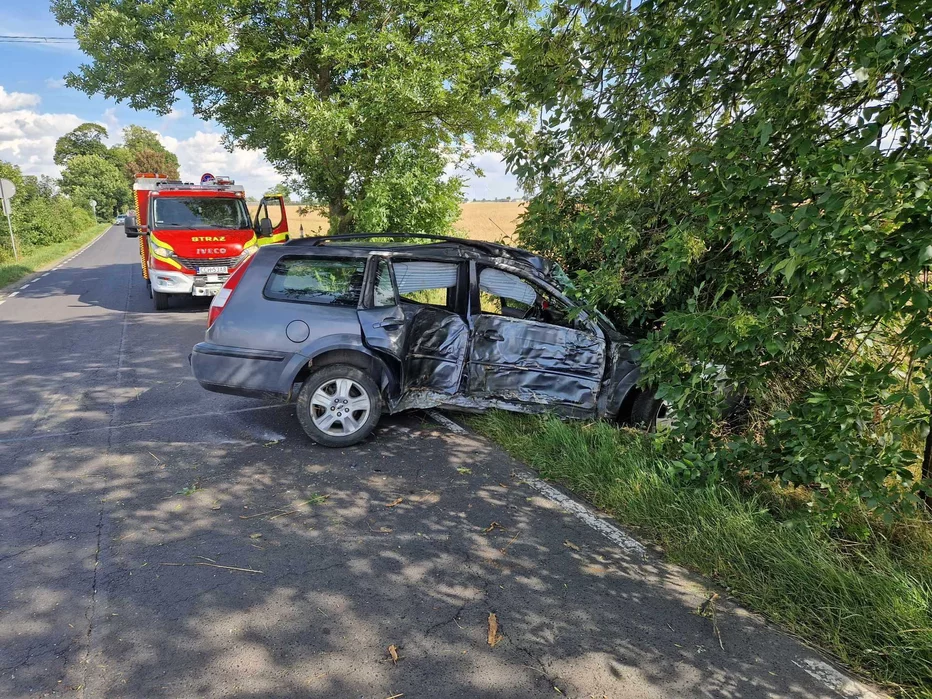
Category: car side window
<point>427,283</point>
<point>273,211</point>
<point>328,281</point>
<point>505,294</point>
<point>383,291</point>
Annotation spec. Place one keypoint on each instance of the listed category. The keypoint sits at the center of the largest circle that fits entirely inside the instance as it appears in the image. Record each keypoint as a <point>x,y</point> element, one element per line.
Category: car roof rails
<point>489,248</point>
<point>492,249</point>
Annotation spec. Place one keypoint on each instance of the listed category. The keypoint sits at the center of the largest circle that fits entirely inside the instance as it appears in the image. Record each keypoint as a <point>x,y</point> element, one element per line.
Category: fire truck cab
<point>193,236</point>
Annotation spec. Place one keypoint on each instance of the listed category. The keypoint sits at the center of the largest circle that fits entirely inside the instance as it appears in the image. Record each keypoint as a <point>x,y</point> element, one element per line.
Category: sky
<point>36,109</point>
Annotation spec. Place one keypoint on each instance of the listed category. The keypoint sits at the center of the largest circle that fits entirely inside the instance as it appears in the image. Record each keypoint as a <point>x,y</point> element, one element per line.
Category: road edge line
<point>50,266</point>
<point>580,511</point>
<point>846,685</point>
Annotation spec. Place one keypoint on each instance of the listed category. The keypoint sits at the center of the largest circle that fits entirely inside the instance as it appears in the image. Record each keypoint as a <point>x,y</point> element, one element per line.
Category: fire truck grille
<point>194,262</point>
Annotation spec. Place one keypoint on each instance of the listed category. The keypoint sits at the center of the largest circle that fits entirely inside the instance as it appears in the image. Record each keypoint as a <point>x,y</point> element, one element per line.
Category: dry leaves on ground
<point>494,635</point>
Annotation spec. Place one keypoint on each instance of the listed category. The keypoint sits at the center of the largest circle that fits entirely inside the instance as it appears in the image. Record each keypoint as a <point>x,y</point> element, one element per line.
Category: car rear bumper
<point>242,371</point>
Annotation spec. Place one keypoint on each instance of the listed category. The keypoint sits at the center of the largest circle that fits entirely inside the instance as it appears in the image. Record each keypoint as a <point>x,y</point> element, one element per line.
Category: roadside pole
<point>7,190</point>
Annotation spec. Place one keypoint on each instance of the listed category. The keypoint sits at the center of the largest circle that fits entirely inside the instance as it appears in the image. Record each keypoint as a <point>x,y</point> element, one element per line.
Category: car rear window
<point>328,281</point>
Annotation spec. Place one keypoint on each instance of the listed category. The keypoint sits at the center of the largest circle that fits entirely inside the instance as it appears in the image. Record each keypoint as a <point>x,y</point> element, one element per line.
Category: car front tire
<point>339,405</point>
<point>651,413</point>
<point>161,300</point>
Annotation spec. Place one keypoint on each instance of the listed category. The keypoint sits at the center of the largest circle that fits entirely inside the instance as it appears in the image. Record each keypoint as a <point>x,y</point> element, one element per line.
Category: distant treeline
<point>41,214</point>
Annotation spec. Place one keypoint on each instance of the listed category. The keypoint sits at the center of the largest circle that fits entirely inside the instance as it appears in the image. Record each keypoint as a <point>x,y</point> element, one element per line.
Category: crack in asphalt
<point>91,613</point>
<point>143,423</point>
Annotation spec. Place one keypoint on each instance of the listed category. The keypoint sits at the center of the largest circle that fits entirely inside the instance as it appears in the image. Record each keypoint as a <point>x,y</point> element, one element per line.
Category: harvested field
<point>481,220</point>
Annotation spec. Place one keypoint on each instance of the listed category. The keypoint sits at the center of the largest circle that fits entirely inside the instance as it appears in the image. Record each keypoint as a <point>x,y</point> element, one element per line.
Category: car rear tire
<point>161,300</point>
<point>339,405</point>
<point>651,413</point>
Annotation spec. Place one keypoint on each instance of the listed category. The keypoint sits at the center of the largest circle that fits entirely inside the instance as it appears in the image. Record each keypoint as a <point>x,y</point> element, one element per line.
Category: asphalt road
<point>125,488</point>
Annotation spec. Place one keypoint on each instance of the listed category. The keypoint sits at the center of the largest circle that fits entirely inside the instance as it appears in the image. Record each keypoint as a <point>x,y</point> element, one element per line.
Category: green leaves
<point>330,90</point>
<point>791,141</point>
<point>88,177</point>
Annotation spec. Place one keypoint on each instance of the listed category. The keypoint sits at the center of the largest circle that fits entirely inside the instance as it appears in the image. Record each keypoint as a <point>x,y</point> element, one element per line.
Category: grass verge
<point>869,603</point>
<point>34,259</point>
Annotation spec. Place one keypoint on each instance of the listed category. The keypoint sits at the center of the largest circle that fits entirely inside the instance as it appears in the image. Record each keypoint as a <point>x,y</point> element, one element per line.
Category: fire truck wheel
<point>339,405</point>
<point>161,300</point>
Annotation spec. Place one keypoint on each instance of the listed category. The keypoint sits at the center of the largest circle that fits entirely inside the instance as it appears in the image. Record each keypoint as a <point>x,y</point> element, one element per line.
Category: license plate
<point>213,270</point>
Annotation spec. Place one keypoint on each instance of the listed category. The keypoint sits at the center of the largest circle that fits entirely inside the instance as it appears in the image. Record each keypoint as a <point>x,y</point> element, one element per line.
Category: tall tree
<point>88,177</point>
<point>326,88</point>
<point>749,182</point>
<point>148,160</point>
<point>411,195</point>
<point>86,139</point>
<point>144,152</point>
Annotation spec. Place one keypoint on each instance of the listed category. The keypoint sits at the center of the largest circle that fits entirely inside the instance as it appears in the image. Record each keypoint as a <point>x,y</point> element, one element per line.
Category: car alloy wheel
<point>666,418</point>
<point>340,407</point>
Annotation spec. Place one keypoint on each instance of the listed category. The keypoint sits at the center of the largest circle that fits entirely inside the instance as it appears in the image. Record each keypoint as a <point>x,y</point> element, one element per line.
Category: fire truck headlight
<point>161,252</point>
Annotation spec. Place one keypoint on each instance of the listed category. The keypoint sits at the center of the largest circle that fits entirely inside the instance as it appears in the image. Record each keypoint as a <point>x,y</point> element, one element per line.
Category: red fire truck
<point>192,236</point>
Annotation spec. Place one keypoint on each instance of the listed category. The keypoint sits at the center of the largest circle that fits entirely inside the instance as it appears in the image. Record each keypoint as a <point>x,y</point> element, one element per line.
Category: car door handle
<point>492,335</point>
<point>389,324</point>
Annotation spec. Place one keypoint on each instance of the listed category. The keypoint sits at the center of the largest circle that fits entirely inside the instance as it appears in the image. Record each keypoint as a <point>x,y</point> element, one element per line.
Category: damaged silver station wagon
<point>352,328</point>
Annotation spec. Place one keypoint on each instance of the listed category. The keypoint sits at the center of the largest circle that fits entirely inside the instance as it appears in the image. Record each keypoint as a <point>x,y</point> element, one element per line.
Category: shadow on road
<point>222,554</point>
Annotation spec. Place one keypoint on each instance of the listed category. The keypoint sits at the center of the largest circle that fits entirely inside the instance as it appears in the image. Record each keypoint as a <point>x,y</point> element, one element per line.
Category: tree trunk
<point>926,473</point>
<point>341,220</point>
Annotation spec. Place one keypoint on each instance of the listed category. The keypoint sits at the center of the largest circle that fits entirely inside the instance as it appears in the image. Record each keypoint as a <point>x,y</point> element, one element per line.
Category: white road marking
<point>12,294</point>
<point>566,503</point>
<point>822,672</point>
<point>834,680</point>
<point>586,516</point>
<point>439,417</point>
<point>24,286</point>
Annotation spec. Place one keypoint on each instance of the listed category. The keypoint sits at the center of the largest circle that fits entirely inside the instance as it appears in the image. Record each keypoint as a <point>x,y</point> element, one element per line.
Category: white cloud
<point>27,137</point>
<point>175,114</point>
<point>10,101</point>
<point>55,83</point>
<point>496,183</point>
<point>204,152</point>
<point>113,125</point>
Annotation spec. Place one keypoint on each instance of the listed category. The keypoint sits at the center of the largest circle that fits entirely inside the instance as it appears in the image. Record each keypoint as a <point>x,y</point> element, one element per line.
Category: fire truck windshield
<point>200,212</point>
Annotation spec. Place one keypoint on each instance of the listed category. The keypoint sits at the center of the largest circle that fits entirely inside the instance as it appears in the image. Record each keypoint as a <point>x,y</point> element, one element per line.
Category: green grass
<point>35,259</point>
<point>869,603</point>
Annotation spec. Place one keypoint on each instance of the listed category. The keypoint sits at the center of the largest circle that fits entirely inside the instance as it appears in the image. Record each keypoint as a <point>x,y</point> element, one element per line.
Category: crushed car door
<point>528,349</point>
<point>413,318</point>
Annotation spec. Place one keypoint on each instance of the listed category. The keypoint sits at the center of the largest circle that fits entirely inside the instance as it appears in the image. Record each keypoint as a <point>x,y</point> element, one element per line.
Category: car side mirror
<point>130,228</point>
<point>265,227</point>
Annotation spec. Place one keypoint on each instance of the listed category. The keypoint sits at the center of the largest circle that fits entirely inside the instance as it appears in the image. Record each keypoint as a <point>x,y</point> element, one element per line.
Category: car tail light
<point>220,300</point>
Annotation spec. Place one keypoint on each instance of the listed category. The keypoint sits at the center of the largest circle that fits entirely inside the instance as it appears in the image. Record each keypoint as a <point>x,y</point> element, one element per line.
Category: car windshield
<point>201,212</point>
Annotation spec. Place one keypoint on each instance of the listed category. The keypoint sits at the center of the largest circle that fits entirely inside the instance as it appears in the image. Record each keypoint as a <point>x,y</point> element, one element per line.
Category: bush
<point>746,184</point>
<point>40,216</point>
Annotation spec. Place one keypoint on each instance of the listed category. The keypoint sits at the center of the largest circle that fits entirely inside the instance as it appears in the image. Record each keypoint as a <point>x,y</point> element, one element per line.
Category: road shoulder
<point>27,267</point>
